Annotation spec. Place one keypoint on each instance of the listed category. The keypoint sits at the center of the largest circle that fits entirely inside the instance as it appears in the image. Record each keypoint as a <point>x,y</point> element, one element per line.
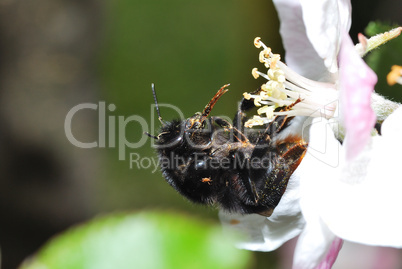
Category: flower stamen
<point>284,87</point>
<point>395,76</point>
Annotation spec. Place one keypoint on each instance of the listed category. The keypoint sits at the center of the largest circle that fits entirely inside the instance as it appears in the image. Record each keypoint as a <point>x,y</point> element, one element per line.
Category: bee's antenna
<point>151,136</point>
<point>156,104</point>
<point>213,101</point>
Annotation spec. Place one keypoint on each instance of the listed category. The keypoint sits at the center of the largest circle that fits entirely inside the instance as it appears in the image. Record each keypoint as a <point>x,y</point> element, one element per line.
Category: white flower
<point>348,191</point>
<point>355,200</point>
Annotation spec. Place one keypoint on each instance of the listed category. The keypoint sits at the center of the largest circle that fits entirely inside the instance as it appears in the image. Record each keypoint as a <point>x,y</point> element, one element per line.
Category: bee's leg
<point>241,117</point>
<point>221,122</point>
<point>272,170</point>
<point>244,105</point>
<point>277,124</point>
<point>295,154</point>
<point>289,107</point>
<point>229,127</point>
<point>274,165</point>
<point>280,122</point>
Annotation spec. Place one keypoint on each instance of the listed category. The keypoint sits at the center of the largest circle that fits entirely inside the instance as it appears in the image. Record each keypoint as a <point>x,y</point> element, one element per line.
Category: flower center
<point>295,94</point>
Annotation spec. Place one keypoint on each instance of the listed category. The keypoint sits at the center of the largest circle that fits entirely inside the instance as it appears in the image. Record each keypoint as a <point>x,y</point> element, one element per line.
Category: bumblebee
<point>211,161</point>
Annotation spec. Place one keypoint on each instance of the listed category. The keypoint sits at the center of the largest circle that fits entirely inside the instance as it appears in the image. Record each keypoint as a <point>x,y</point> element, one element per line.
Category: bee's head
<point>195,122</point>
<point>173,131</point>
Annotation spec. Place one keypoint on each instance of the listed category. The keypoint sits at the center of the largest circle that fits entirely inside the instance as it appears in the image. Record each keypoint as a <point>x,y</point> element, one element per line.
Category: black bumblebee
<point>211,161</point>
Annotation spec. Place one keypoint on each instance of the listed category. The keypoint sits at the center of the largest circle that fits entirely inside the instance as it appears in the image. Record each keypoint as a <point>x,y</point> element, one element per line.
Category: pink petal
<point>332,254</point>
<point>357,82</point>
<point>300,53</point>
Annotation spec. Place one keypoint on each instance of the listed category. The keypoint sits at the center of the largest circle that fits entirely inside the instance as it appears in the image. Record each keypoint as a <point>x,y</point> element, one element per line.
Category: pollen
<point>207,180</point>
<point>257,101</point>
<point>247,96</point>
<point>267,110</point>
<point>255,72</point>
<point>257,43</point>
<point>395,76</point>
<point>274,59</point>
<point>255,121</point>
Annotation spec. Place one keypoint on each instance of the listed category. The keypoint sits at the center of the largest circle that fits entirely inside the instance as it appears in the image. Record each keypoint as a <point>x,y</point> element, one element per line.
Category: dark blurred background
<point>56,54</point>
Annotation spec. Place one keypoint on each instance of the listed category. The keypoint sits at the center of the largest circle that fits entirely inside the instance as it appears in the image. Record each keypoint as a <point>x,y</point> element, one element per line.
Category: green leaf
<point>381,60</point>
<point>143,240</point>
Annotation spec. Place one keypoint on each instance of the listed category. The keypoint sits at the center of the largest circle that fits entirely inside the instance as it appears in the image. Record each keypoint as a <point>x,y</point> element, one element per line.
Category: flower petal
<point>313,244</point>
<point>267,234</point>
<point>363,256</point>
<point>318,166</point>
<point>364,206</point>
<point>300,53</point>
<point>332,254</point>
<point>357,82</point>
<point>325,21</point>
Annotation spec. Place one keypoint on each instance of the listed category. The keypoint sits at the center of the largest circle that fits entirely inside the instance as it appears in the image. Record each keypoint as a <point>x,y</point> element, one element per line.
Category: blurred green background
<point>55,55</point>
